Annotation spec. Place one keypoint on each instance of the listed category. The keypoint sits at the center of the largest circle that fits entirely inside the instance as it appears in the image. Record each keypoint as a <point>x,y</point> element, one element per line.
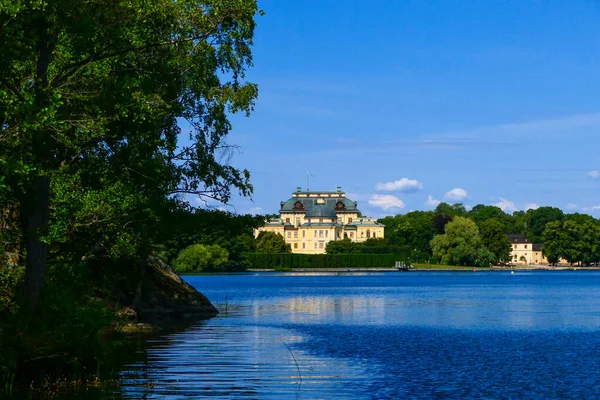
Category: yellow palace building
<point>311,219</point>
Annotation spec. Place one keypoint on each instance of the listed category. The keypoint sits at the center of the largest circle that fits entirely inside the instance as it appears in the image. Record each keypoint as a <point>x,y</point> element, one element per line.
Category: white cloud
<point>571,206</point>
<point>255,210</point>
<point>594,174</point>
<point>593,208</point>
<point>505,205</point>
<point>431,202</point>
<point>531,206</point>
<point>403,185</point>
<point>456,194</point>
<point>386,201</point>
<point>468,207</point>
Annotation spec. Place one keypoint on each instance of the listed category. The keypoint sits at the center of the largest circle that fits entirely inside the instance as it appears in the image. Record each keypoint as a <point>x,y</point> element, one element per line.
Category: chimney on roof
<point>339,189</point>
<point>298,189</point>
<point>281,204</point>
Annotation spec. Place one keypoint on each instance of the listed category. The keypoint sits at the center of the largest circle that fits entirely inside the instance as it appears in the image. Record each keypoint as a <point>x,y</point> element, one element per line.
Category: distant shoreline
<point>449,269</point>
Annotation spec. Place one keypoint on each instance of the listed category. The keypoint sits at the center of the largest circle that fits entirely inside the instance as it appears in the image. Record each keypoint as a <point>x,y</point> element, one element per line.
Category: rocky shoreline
<point>160,297</point>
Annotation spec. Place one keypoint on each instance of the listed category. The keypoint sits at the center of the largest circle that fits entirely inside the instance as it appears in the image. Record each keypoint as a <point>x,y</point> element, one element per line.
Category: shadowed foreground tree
<point>90,97</point>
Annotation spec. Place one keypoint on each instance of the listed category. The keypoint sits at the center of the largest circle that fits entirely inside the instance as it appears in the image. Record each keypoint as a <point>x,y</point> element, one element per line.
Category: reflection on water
<point>416,335</point>
<point>232,361</point>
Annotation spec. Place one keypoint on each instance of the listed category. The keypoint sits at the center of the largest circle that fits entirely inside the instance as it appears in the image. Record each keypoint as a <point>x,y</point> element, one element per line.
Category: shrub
<point>200,257</point>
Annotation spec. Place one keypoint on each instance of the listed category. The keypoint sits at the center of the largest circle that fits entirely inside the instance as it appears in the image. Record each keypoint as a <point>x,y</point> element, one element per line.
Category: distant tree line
<point>452,235</point>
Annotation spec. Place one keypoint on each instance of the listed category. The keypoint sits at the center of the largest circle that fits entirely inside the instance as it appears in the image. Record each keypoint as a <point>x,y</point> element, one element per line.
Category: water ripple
<point>423,336</point>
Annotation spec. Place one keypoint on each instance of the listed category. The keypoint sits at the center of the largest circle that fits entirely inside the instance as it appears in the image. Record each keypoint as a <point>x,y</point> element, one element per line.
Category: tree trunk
<point>36,224</point>
<point>137,300</point>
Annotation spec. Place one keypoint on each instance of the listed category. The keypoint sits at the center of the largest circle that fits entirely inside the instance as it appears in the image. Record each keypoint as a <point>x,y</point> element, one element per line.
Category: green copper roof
<point>320,211</point>
<point>364,222</point>
<point>304,203</point>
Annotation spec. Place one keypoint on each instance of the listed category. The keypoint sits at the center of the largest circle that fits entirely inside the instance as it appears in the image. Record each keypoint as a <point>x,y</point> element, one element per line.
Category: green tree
<point>377,246</point>
<point>271,242</point>
<point>553,241</point>
<point>413,230</point>
<point>519,222</point>
<point>484,257</point>
<point>90,96</point>
<point>590,238</point>
<point>451,210</point>
<point>493,237</point>
<point>481,213</point>
<point>461,244</point>
<point>344,246</point>
<point>573,247</point>
<point>200,257</point>
<point>537,219</point>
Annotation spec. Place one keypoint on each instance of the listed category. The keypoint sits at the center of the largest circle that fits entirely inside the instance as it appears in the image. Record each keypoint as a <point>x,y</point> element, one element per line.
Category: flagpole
<point>307,175</point>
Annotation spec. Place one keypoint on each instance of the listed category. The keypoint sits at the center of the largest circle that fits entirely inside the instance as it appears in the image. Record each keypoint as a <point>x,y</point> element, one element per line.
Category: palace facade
<point>310,219</point>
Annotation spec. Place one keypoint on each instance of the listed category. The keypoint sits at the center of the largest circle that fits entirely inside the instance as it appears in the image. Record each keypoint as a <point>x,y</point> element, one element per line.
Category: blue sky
<point>407,103</point>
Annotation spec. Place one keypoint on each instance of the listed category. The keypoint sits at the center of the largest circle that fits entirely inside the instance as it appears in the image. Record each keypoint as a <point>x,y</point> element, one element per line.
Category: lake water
<point>426,335</point>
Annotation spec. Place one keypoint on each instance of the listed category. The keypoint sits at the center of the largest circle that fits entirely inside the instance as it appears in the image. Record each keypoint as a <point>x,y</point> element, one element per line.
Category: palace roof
<point>304,203</point>
<point>321,211</point>
<point>364,222</point>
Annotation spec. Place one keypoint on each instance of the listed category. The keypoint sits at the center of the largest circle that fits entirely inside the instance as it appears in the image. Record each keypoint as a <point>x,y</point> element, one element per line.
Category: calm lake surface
<point>382,335</point>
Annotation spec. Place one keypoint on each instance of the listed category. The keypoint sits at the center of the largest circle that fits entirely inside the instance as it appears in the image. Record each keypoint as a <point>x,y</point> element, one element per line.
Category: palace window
<point>296,235</point>
<point>303,245</point>
<point>289,234</point>
<point>315,233</point>
<point>287,220</point>
<point>303,233</point>
<point>345,235</point>
<point>525,246</point>
<point>320,245</point>
<point>326,232</point>
<point>362,234</point>
<point>368,233</point>
<point>320,219</point>
<point>351,234</point>
<point>295,245</point>
<point>320,233</point>
<point>374,234</point>
<point>350,220</point>
<point>315,245</point>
